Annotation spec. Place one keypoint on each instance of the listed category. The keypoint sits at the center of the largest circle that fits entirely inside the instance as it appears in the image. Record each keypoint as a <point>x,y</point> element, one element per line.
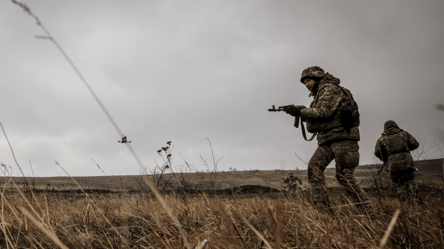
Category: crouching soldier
<point>291,182</point>
<point>393,148</point>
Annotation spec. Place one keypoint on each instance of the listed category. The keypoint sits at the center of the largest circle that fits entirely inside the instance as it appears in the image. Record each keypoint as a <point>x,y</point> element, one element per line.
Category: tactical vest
<point>396,143</point>
<point>346,115</point>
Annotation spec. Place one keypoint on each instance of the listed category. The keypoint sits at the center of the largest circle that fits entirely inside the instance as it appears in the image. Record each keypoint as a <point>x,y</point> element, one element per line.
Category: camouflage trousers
<point>346,155</point>
<point>404,181</point>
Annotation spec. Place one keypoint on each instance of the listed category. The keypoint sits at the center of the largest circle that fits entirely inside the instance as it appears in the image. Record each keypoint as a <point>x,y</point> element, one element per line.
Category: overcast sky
<point>184,71</point>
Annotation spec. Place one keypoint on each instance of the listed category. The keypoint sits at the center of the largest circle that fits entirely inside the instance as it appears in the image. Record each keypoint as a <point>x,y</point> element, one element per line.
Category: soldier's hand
<point>294,110</point>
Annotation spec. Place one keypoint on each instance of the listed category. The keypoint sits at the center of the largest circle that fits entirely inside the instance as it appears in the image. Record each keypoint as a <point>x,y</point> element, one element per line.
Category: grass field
<point>429,170</point>
<point>273,220</point>
<point>231,219</point>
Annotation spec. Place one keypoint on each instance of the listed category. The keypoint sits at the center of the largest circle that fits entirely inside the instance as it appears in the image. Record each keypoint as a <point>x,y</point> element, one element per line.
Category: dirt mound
<point>254,189</point>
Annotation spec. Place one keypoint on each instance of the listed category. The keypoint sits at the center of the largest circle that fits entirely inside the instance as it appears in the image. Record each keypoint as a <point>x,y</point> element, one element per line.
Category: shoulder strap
<point>303,133</point>
<point>296,124</point>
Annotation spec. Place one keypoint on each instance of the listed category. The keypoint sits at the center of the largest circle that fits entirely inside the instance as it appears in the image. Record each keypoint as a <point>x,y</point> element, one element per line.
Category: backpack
<point>349,113</point>
<point>396,143</point>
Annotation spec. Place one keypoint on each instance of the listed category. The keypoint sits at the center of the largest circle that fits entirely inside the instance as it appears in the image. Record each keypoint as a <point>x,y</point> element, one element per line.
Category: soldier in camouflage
<point>337,138</point>
<point>393,148</point>
<point>291,181</point>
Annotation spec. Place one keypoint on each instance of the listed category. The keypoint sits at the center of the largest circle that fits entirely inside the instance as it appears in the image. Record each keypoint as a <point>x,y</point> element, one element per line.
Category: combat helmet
<point>314,72</point>
<point>389,124</point>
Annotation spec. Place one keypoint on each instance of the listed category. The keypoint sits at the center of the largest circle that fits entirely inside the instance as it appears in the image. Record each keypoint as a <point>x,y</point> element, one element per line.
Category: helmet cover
<point>389,124</point>
<point>314,72</point>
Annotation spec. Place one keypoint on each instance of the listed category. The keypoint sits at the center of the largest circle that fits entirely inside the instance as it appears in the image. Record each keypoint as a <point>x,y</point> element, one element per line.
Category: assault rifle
<point>299,180</point>
<point>296,118</point>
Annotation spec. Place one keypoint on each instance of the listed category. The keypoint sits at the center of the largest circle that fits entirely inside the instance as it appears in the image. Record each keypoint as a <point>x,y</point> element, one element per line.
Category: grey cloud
<point>183,71</point>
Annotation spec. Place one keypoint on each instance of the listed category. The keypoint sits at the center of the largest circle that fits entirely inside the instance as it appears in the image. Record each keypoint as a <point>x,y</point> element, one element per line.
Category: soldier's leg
<point>396,178</point>
<point>398,183</point>
<point>411,185</point>
<point>347,159</point>
<point>316,166</point>
<point>402,185</point>
<point>292,186</point>
<point>410,189</point>
<point>414,187</point>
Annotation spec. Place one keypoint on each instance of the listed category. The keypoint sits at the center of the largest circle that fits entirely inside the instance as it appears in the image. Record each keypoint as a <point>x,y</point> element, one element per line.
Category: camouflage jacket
<point>324,112</point>
<point>393,148</point>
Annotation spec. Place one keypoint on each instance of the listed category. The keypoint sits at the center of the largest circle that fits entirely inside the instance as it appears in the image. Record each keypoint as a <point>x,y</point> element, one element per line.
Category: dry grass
<point>260,221</point>
<point>51,220</point>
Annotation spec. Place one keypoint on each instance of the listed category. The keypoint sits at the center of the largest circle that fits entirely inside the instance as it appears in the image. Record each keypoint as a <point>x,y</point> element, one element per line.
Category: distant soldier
<point>334,116</point>
<point>291,181</point>
<point>393,148</point>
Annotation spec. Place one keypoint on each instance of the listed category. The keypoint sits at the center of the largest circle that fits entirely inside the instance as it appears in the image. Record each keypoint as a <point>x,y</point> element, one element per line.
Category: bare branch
<point>300,159</point>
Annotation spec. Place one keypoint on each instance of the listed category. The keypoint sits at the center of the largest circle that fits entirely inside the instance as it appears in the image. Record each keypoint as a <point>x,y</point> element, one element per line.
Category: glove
<point>294,110</point>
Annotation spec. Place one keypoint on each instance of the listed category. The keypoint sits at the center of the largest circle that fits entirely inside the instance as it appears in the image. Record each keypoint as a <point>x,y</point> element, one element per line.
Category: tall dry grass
<point>30,220</point>
<point>52,220</point>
